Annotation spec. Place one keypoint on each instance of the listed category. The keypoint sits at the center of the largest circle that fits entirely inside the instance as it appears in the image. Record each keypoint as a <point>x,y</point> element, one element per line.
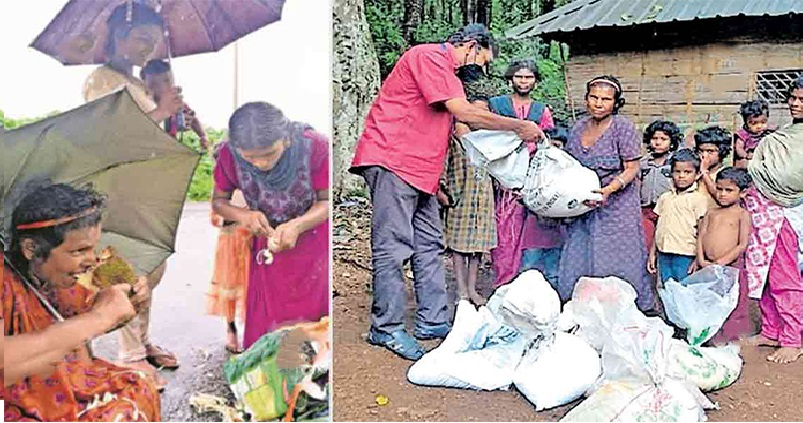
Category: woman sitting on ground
<point>49,372</point>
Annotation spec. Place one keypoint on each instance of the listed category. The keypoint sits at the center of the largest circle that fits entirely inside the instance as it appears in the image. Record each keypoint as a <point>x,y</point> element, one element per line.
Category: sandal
<point>233,347</point>
<point>399,342</point>
<point>233,350</point>
<point>162,358</point>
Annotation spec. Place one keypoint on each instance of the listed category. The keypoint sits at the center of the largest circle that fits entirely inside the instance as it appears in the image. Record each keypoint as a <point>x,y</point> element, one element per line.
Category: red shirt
<point>407,129</point>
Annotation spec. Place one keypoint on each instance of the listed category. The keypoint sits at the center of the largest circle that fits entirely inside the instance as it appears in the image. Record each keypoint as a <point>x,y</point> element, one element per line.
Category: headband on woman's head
<point>56,222</point>
<point>605,81</point>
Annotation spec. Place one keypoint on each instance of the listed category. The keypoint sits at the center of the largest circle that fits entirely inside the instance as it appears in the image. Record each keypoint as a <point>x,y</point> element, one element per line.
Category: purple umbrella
<point>77,35</point>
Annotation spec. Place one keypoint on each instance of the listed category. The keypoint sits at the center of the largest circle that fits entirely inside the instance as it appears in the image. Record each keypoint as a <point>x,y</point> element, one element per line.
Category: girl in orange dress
<point>230,276</point>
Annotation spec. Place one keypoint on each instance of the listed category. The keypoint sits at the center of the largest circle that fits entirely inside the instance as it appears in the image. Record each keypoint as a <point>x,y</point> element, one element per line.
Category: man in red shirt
<point>401,155</point>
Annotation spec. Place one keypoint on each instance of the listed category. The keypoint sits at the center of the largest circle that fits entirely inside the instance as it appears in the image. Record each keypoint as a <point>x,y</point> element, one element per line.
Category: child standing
<point>724,234</point>
<point>231,271</point>
<point>679,211</point>
<point>662,138</point>
<point>546,235</point>
<point>467,193</point>
<point>713,144</point>
<point>159,77</point>
<point>755,114</point>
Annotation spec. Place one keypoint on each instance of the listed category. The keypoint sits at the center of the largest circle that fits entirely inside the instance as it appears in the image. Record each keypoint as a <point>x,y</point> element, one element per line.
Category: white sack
<point>597,305</point>
<point>557,373</point>
<point>708,368</point>
<point>528,304</point>
<point>636,383</point>
<point>702,305</point>
<point>479,353</point>
<point>566,322</point>
<point>633,401</point>
<point>557,184</point>
<point>501,153</point>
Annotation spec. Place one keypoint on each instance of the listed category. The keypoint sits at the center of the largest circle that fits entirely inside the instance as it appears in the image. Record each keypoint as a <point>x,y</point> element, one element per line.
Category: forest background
<point>371,35</point>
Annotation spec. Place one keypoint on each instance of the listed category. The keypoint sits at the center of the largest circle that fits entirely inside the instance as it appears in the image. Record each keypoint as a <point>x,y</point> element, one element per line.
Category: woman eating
<point>48,318</point>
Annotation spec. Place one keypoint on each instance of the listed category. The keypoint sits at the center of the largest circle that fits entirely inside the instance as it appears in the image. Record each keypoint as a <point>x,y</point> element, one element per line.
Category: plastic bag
<point>501,153</point>
<point>702,302</point>
<point>479,353</point>
<point>636,383</point>
<point>261,385</point>
<point>598,304</point>
<point>558,372</point>
<point>633,401</point>
<point>528,304</point>
<point>709,368</point>
<point>557,184</point>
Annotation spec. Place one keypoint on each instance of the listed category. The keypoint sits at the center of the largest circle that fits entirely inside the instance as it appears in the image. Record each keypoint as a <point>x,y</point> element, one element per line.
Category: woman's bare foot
<point>477,299</point>
<point>785,355</point>
<point>150,371</point>
<point>760,341</point>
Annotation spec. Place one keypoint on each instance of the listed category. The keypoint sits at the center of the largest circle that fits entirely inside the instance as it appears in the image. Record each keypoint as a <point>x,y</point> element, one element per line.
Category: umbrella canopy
<point>112,144</point>
<point>78,34</point>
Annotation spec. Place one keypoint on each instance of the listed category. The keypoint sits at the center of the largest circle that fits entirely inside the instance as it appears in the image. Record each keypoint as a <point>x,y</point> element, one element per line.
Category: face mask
<point>470,72</point>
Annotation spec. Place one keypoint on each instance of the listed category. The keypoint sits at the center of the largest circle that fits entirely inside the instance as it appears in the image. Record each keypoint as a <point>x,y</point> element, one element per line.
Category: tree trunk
<point>355,82</point>
<point>413,9</point>
<point>483,13</point>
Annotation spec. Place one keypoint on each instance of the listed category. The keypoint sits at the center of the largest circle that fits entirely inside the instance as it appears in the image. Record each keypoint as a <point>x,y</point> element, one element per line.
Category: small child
<point>546,234</point>
<point>724,233</point>
<point>679,212</point>
<point>231,271</point>
<point>662,138</point>
<point>467,196</point>
<point>159,78</point>
<point>713,144</point>
<point>755,114</point>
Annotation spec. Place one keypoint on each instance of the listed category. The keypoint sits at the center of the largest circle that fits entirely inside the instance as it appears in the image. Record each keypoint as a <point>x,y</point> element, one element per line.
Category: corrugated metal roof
<point>586,14</point>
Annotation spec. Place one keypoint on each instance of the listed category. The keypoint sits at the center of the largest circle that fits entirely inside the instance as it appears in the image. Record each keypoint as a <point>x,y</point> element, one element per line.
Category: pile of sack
<point>647,375</point>
<point>513,341</point>
<point>542,179</point>
<point>600,347</point>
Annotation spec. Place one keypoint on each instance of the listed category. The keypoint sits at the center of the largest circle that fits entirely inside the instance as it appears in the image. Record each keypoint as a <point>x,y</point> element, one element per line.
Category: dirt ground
<point>764,392</point>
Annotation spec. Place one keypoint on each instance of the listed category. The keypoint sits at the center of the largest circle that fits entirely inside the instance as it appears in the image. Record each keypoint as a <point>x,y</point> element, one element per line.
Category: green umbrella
<point>113,145</point>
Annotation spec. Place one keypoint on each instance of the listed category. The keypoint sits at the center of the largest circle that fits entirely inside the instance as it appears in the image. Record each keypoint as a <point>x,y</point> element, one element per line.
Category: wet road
<point>179,322</point>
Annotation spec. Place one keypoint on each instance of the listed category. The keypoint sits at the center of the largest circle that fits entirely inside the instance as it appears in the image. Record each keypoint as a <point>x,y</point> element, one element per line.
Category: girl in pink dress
<point>282,169</point>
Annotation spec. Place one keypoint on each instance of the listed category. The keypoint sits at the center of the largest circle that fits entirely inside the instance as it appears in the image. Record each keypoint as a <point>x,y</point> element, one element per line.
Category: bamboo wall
<point>694,86</point>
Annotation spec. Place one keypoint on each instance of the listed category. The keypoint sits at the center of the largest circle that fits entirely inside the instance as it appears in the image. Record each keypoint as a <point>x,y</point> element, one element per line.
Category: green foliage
<point>385,17</point>
<point>9,123</point>
<point>442,17</point>
<point>202,184</point>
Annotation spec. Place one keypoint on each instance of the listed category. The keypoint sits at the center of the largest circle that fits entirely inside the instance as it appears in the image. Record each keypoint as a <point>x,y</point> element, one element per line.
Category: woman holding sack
<point>282,169</point>
<point>608,240</point>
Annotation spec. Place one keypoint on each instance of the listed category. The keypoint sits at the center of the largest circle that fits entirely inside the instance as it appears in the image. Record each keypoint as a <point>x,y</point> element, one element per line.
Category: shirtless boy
<point>723,238</point>
<point>724,230</point>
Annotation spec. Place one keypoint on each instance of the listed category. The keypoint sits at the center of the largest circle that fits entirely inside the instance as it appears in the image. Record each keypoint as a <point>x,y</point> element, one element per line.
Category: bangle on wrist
<point>621,181</point>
